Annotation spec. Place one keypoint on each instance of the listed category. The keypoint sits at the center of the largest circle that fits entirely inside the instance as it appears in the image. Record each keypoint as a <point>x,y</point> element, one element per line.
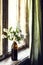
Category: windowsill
<point>21,55</point>
<point>24,53</point>
<point>5,56</point>
<point>8,54</point>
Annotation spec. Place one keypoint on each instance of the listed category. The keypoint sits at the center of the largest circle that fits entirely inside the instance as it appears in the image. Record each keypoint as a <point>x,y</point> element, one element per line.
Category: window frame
<point>5,20</point>
<point>5,25</point>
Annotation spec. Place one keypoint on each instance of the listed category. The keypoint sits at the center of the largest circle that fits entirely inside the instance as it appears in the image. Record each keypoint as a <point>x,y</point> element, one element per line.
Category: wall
<point>0,27</point>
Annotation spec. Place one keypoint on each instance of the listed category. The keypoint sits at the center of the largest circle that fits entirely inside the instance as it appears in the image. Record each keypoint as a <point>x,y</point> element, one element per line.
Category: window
<point>17,13</point>
<point>17,18</point>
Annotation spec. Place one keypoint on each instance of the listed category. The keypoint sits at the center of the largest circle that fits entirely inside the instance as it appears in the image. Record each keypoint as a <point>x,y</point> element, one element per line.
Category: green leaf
<point>17,30</point>
<point>14,32</point>
<point>10,29</point>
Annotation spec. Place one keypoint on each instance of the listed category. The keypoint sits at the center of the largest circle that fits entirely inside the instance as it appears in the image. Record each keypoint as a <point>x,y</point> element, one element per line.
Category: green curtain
<point>36,33</point>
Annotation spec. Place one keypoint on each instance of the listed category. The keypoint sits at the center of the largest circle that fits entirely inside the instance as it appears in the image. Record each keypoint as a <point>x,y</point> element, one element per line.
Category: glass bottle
<point>14,51</point>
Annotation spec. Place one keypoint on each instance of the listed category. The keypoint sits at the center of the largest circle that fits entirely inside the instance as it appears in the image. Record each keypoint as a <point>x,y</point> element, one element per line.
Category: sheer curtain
<point>36,33</point>
<point>12,18</point>
<point>20,15</point>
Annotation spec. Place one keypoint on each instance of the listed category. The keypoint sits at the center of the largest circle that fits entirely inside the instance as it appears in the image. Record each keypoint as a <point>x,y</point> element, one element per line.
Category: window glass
<point>16,13</point>
<point>17,18</point>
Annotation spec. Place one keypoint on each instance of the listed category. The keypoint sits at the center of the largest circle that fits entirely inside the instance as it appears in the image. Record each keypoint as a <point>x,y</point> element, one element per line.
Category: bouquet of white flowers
<point>13,34</point>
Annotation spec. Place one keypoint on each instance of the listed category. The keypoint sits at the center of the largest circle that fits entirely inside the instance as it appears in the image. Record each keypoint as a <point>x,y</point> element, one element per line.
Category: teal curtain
<point>36,33</point>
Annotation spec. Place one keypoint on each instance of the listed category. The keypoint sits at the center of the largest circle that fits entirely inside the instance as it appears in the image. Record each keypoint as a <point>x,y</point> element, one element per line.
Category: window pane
<point>23,16</point>
<point>17,17</point>
<point>13,16</point>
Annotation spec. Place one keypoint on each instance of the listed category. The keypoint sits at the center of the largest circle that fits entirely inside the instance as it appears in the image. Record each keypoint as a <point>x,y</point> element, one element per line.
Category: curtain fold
<point>36,33</point>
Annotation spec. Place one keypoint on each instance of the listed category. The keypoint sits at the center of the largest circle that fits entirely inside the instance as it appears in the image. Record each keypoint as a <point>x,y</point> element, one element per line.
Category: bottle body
<point>14,51</point>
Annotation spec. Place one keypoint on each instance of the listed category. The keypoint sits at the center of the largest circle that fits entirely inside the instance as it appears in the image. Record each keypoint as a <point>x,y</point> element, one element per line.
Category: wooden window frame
<point>5,25</point>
